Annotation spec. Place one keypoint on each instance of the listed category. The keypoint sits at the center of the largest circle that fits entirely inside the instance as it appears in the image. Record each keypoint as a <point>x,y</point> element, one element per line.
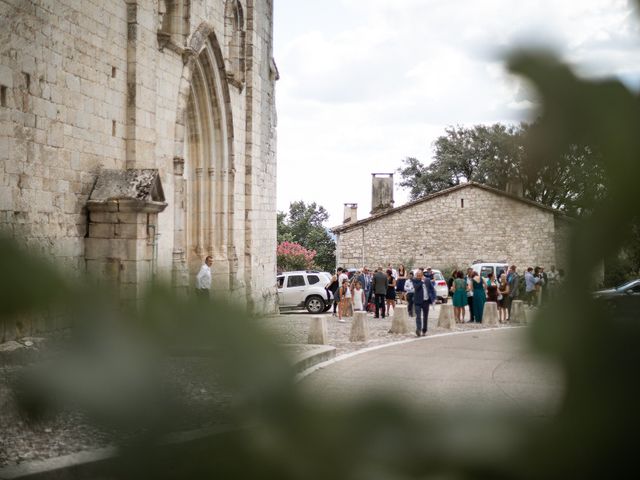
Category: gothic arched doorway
<point>204,196</point>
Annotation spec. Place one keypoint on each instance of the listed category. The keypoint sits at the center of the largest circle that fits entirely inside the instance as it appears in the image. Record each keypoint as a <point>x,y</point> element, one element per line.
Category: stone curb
<point>320,354</point>
<point>93,463</point>
<point>70,467</point>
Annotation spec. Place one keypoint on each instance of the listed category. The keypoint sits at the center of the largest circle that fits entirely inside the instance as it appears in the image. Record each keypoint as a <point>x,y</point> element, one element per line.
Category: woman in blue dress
<point>479,297</point>
<point>459,288</point>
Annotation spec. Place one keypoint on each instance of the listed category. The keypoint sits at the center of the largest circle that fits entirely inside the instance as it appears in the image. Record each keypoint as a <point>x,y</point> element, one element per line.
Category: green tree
<point>485,154</point>
<point>303,224</point>
<point>497,154</point>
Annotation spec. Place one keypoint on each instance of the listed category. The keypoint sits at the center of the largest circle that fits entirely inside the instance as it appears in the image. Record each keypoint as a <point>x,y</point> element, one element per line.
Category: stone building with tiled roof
<point>452,228</point>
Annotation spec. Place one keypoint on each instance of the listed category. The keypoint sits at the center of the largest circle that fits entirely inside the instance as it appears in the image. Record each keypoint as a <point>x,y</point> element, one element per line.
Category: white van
<point>485,268</point>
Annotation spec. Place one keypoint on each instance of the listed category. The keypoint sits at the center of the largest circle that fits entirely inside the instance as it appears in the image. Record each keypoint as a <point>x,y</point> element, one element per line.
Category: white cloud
<point>366,83</point>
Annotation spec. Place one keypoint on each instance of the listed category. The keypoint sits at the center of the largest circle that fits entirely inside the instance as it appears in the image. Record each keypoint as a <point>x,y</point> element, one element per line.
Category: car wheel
<point>314,304</point>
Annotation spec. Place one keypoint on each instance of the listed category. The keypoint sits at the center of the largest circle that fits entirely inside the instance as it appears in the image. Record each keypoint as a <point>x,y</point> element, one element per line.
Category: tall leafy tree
<point>497,154</point>
<point>303,224</point>
<point>485,154</point>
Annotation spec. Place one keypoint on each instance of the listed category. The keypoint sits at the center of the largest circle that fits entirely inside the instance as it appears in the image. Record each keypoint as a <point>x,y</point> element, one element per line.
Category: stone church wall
<point>62,71</point>
<point>87,86</point>
<point>453,230</point>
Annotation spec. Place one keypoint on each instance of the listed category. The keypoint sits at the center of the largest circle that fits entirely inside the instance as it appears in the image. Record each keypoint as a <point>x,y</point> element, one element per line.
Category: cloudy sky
<point>366,83</point>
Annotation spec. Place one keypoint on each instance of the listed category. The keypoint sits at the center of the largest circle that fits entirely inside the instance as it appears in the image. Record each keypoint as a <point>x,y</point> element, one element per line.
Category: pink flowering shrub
<point>293,256</point>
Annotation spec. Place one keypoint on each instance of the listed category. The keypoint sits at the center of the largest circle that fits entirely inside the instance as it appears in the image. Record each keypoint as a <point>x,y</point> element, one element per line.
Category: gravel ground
<point>70,432</point>
<point>22,439</point>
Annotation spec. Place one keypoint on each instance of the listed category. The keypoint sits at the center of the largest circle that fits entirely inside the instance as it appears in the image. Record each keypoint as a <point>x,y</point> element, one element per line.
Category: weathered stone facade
<point>182,87</point>
<point>455,227</point>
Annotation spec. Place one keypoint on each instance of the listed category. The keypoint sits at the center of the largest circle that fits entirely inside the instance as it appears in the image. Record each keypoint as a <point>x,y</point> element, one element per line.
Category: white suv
<point>485,268</point>
<point>440,284</point>
<point>304,289</point>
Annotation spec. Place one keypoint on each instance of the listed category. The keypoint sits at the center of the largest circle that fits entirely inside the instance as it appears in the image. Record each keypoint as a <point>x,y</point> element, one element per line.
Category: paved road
<point>490,368</point>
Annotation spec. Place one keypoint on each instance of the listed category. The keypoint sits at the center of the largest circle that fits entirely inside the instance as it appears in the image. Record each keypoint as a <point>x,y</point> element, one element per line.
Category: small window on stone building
<point>462,203</point>
<point>113,72</point>
<point>3,96</point>
<point>113,128</point>
<point>27,80</point>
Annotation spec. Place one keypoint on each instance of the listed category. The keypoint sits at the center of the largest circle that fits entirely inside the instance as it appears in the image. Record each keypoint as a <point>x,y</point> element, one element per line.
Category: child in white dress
<point>358,298</point>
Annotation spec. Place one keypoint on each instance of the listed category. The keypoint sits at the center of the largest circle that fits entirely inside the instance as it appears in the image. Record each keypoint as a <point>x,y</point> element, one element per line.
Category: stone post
<point>400,319</point>
<point>445,319</point>
<point>359,328</point>
<point>318,331</point>
<point>518,315</point>
<point>490,314</point>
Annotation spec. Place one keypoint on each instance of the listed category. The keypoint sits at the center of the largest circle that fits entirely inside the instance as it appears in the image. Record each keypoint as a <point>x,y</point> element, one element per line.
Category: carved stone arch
<point>203,34</point>
<point>204,163</point>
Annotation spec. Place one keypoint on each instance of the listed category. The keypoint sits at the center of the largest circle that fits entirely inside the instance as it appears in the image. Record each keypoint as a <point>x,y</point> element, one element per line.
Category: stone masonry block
<point>103,217</point>
<point>124,249</point>
<point>135,272</point>
<point>102,230</point>
<point>132,218</point>
<point>131,230</point>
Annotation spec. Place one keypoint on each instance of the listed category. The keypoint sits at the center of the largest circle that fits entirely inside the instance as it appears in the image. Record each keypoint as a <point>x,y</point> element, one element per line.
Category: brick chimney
<point>350,212</point>
<point>381,192</point>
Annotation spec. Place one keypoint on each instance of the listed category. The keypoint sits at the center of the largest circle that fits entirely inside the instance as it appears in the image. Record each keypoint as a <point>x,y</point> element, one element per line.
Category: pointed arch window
<point>235,39</point>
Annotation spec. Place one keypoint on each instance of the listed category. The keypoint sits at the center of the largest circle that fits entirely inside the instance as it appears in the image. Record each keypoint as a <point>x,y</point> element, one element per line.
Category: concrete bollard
<point>318,334</point>
<point>359,328</point>
<point>518,315</point>
<point>445,319</point>
<point>490,314</point>
<point>400,319</point>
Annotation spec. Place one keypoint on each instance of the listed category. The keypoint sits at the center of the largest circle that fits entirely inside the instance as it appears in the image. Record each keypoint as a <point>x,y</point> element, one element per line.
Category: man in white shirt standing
<point>203,279</point>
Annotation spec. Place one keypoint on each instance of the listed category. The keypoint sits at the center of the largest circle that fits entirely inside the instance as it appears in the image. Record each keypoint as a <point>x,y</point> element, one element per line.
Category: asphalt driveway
<point>474,369</point>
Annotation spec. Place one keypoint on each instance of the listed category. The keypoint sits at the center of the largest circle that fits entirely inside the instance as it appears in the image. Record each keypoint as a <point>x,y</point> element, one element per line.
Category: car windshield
<point>626,285</point>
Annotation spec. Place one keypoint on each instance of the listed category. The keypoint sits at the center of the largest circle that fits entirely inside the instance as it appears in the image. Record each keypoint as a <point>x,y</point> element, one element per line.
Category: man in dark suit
<point>513,281</point>
<point>379,287</point>
<point>429,298</point>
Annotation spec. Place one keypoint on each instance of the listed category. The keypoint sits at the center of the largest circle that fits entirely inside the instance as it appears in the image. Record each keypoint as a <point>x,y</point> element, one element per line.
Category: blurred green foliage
<point>114,372</point>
